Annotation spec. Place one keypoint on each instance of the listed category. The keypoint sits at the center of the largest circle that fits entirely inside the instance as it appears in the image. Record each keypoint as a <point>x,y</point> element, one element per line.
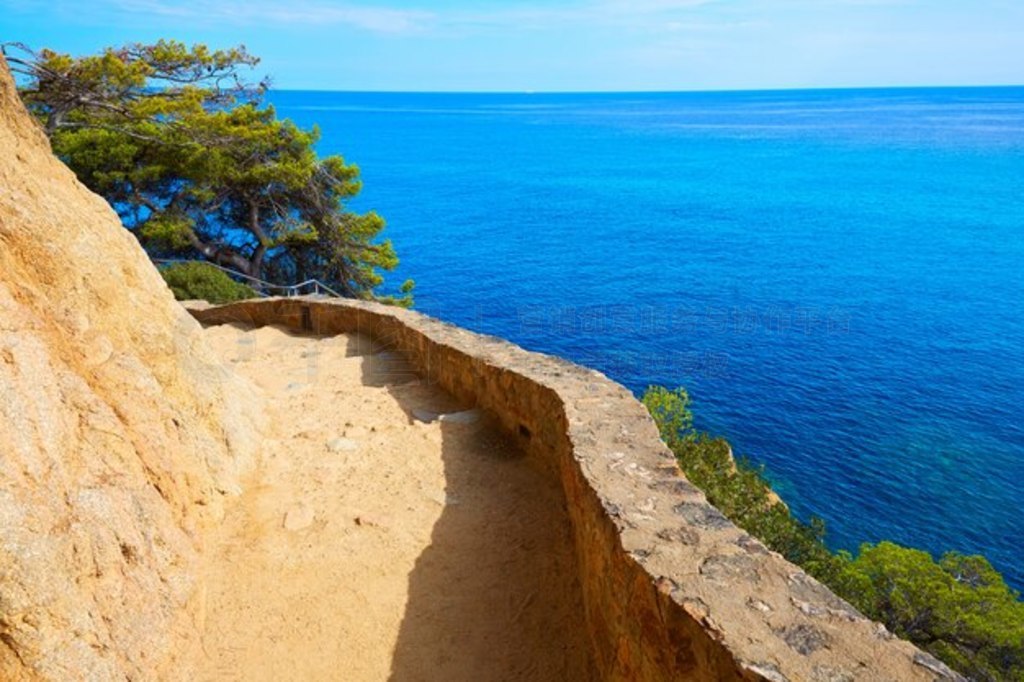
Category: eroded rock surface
<point>117,437</point>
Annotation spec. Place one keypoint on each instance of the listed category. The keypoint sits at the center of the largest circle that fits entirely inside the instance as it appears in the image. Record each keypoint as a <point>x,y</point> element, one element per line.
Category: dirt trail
<point>371,545</point>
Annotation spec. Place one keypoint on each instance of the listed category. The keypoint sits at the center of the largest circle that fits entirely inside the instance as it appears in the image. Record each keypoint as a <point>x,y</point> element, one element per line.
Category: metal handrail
<point>290,289</point>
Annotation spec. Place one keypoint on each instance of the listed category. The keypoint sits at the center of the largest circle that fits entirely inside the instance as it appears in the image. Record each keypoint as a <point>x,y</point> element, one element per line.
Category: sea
<point>836,277</point>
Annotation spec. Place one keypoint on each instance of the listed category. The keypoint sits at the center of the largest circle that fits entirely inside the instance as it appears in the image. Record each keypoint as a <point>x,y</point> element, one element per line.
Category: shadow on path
<point>495,595</point>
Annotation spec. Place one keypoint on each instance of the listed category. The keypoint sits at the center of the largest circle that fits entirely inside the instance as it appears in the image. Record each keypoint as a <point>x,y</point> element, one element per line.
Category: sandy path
<point>370,545</point>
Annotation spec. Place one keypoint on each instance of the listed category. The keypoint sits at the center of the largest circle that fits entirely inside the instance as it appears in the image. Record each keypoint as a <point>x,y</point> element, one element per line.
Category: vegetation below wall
<point>958,608</point>
<point>195,280</point>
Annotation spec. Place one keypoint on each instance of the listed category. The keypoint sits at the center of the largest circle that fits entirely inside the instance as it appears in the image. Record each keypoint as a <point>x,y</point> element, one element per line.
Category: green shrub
<point>959,608</point>
<point>193,280</point>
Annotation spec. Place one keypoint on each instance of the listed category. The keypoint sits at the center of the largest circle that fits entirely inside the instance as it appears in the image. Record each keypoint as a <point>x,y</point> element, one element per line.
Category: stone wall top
<point>672,589</point>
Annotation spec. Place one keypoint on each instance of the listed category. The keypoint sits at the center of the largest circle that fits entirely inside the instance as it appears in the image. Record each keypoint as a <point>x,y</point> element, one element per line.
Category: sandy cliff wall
<point>115,434</point>
<point>672,590</point>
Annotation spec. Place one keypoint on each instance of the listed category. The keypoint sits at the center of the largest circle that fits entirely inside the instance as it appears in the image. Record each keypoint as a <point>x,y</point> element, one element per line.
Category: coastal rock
<point>298,517</point>
<point>119,432</point>
<point>355,432</point>
<point>342,445</point>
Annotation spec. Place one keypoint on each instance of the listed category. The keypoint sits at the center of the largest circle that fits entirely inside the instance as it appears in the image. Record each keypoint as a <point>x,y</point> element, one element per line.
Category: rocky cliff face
<point>119,432</point>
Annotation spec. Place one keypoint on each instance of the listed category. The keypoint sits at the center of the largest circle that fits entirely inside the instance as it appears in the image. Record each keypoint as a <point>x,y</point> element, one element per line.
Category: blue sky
<point>565,45</point>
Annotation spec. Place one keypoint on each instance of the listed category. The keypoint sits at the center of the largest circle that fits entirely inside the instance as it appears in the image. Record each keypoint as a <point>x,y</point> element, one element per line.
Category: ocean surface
<point>837,277</point>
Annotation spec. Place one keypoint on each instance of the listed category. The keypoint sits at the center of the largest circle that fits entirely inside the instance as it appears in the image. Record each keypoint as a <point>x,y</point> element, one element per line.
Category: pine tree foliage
<point>182,146</point>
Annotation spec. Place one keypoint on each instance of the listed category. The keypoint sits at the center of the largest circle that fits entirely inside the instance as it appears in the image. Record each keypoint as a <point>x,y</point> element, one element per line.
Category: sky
<point>563,45</point>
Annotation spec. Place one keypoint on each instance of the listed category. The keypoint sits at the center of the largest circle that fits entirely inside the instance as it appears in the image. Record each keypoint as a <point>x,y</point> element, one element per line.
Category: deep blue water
<point>837,277</point>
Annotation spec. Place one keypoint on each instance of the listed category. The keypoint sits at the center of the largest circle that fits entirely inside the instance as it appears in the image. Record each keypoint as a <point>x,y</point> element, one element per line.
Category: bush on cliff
<point>201,281</point>
<point>958,608</point>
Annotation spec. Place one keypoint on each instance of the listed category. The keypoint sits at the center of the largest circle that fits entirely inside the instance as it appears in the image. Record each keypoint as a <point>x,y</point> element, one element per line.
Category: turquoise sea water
<point>836,276</point>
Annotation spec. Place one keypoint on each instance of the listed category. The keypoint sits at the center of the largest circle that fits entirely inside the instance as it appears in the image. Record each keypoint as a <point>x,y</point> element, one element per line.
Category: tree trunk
<point>226,257</point>
<point>261,236</point>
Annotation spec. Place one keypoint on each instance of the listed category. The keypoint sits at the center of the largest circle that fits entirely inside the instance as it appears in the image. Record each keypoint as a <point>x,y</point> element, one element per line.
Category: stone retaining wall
<point>672,589</point>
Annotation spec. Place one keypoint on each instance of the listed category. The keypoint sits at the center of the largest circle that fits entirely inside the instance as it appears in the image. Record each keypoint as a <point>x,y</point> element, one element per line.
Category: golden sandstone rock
<point>116,441</point>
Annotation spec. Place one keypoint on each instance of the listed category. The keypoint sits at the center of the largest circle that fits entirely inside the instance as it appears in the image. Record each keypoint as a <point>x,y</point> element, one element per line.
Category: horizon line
<point>708,91</point>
